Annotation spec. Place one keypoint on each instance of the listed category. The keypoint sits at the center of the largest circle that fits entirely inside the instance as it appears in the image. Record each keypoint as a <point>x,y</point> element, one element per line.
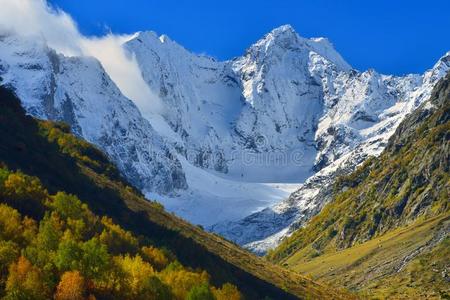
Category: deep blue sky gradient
<point>391,36</point>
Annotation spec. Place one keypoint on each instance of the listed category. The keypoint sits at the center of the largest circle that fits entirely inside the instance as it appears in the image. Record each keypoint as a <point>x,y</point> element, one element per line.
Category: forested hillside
<point>53,245</point>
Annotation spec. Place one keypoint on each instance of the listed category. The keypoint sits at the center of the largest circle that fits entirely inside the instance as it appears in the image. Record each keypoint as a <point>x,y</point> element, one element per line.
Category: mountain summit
<point>285,37</point>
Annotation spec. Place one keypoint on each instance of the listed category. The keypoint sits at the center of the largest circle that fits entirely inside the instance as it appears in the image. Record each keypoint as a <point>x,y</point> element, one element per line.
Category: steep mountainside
<point>370,118</point>
<point>216,136</point>
<point>388,215</point>
<point>62,162</point>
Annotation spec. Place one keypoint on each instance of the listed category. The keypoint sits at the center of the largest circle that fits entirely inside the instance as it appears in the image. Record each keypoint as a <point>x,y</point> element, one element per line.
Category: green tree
<point>43,247</point>
<point>154,289</point>
<point>200,292</point>
<point>50,232</point>
<point>69,256</point>
<point>95,259</point>
<point>68,206</point>
<point>4,173</point>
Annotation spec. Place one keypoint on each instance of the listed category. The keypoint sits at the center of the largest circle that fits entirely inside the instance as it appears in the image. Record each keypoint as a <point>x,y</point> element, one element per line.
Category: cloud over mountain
<point>60,32</point>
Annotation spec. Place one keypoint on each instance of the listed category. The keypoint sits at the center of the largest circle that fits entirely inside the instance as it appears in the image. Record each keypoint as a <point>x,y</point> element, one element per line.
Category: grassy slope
<point>359,234</point>
<point>353,267</point>
<point>426,277</point>
<point>62,162</point>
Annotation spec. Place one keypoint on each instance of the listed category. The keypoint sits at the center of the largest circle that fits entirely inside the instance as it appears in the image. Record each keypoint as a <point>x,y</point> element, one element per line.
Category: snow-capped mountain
<point>225,139</point>
<point>227,113</point>
<point>362,110</point>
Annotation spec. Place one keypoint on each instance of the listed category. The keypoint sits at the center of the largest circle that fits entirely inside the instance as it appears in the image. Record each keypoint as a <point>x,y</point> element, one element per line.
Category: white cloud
<point>36,19</point>
<point>122,67</point>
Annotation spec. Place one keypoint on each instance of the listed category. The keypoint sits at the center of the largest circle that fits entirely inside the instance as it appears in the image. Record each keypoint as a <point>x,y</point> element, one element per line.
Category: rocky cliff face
<point>218,132</point>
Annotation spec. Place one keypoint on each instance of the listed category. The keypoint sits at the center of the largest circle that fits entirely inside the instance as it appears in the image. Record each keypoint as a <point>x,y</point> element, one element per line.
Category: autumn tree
<point>9,252</point>
<point>181,281</point>
<point>25,193</point>
<point>29,230</point>
<point>72,241</point>
<point>71,287</point>
<point>117,239</point>
<point>10,223</point>
<point>136,272</point>
<point>156,257</point>
<point>25,281</point>
<point>227,292</point>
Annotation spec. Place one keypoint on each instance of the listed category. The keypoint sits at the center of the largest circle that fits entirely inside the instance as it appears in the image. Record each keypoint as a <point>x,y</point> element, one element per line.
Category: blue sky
<point>393,37</point>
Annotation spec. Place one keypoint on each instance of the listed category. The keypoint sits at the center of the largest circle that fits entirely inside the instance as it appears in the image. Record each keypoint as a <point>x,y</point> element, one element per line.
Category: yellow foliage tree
<point>71,287</point>
<point>117,239</point>
<point>19,186</point>
<point>25,281</point>
<point>227,292</point>
<point>136,271</point>
<point>155,256</point>
<point>181,281</point>
<point>10,223</point>
<point>29,229</point>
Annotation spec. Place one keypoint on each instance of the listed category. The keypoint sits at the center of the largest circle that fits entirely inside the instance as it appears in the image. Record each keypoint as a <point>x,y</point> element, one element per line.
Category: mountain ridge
<point>244,124</point>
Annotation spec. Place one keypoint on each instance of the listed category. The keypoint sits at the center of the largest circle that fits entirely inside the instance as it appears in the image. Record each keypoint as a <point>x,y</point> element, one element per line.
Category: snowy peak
<point>283,30</point>
<point>360,111</point>
<point>162,45</point>
<point>441,67</point>
<point>151,39</point>
<point>444,60</point>
<point>285,39</point>
<point>283,36</point>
